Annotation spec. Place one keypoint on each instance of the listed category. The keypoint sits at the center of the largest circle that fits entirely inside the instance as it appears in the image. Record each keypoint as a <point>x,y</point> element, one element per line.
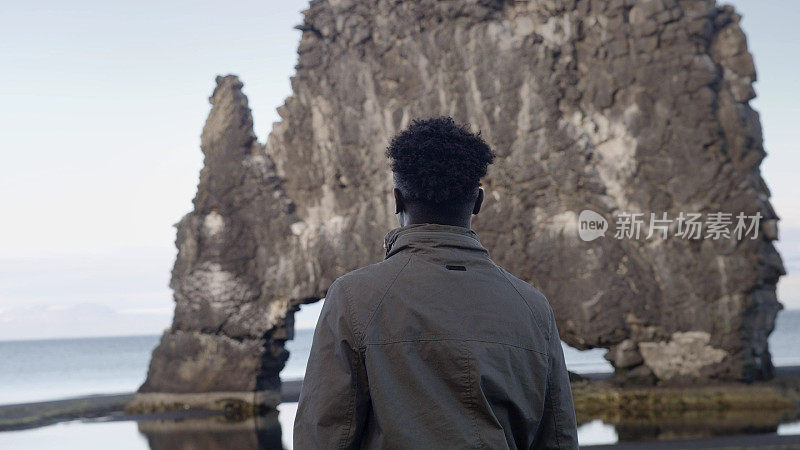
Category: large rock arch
<point>613,106</point>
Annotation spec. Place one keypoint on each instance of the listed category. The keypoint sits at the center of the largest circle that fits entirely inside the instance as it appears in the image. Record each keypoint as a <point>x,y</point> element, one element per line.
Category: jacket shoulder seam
<point>380,301</point>
<point>524,300</point>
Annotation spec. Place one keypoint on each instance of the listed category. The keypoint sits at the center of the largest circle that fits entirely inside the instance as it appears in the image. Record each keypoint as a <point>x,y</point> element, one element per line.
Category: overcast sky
<point>102,108</point>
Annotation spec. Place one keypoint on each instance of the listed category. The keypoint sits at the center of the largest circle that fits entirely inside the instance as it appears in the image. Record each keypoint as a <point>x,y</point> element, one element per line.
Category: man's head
<point>437,167</point>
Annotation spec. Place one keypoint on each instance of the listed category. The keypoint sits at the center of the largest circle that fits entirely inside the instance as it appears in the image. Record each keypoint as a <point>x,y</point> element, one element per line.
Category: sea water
<point>60,368</point>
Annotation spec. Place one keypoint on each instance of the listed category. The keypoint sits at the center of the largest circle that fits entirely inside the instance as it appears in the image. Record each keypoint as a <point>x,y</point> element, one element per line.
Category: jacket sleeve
<point>334,399</point>
<point>558,427</point>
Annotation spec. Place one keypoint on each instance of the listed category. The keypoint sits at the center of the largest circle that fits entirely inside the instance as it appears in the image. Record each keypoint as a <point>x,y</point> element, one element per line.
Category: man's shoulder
<point>523,285</point>
<point>362,289</point>
<point>373,280</point>
<point>531,295</point>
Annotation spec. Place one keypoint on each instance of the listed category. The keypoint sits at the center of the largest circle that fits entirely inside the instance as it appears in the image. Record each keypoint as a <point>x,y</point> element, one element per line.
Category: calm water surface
<point>80,435</point>
<point>51,369</point>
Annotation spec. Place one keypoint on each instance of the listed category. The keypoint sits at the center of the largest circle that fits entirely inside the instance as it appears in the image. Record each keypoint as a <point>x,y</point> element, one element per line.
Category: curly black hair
<point>438,161</point>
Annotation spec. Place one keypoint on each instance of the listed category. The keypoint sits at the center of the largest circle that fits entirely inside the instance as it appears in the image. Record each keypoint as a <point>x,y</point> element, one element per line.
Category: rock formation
<point>235,274</point>
<point>613,106</point>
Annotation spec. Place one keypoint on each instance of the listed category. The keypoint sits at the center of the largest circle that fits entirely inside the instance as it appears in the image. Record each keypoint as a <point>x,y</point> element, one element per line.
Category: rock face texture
<point>613,106</point>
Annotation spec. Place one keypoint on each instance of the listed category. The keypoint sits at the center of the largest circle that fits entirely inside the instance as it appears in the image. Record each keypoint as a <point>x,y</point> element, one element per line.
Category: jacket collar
<point>413,235</point>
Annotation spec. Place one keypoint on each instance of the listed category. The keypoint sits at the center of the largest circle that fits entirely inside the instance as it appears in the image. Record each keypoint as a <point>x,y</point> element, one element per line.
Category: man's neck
<point>457,222</point>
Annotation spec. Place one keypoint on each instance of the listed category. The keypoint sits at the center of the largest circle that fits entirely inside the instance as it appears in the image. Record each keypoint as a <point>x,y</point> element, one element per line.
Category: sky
<point>103,105</point>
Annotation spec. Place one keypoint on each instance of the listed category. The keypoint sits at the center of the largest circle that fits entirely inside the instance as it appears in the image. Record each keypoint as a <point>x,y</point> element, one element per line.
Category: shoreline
<point>25,416</point>
<point>631,410</point>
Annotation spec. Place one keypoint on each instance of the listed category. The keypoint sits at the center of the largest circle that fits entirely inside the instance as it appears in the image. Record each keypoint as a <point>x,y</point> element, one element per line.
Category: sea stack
<point>232,279</point>
<point>610,106</point>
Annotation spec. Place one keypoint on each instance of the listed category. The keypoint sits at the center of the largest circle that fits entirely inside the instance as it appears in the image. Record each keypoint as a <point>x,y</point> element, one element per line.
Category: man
<point>436,346</point>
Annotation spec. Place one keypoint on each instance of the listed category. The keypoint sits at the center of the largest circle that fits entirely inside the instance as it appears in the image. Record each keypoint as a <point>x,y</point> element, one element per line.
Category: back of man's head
<point>437,166</point>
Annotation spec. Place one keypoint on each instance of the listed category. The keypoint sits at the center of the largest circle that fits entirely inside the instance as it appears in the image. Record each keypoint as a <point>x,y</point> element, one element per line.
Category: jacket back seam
<point>554,407</point>
<point>354,381</point>
<point>353,316</point>
<point>350,413</point>
<point>485,341</point>
<point>471,405</point>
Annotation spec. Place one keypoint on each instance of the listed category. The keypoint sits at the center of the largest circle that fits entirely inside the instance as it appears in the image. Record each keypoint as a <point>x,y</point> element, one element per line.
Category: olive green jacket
<point>435,347</point>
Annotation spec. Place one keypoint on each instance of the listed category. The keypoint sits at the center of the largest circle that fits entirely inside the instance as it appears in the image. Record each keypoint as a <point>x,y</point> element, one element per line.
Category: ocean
<point>60,368</point>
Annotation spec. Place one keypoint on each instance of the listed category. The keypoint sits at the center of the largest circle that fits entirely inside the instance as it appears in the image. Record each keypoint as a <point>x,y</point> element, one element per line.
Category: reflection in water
<point>788,429</point>
<point>683,429</point>
<point>698,424</point>
<point>262,433</point>
<point>255,433</point>
<point>265,432</point>
<point>597,433</point>
<point>286,417</point>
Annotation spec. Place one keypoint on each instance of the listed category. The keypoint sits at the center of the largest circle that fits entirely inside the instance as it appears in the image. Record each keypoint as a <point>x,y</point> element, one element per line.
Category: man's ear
<point>478,202</point>
<point>399,204</point>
